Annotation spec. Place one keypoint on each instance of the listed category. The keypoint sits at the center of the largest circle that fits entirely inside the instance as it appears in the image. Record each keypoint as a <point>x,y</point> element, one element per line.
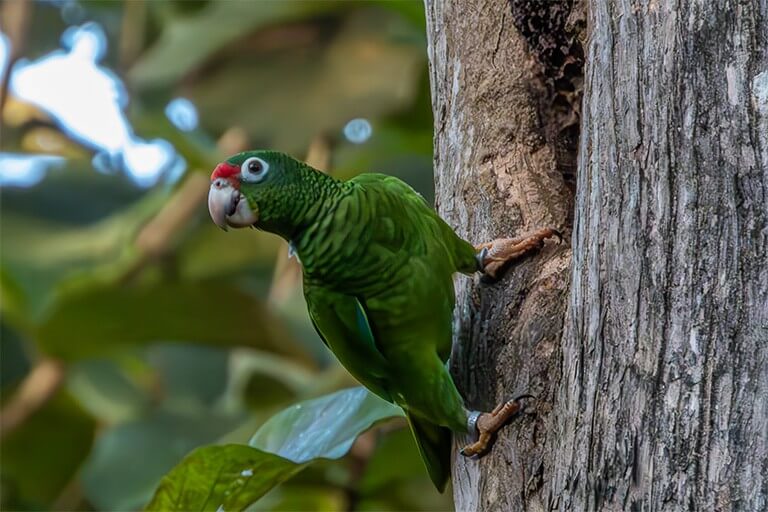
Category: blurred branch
<point>154,239</point>
<point>319,153</point>
<point>37,388</point>
<point>232,141</point>
<point>14,18</point>
<point>132,31</point>
<point>287,270</point>
<point>360,454</point>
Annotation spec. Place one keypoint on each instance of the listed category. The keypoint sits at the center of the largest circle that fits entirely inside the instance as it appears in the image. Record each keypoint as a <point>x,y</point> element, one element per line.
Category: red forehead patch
<point>224,170</point>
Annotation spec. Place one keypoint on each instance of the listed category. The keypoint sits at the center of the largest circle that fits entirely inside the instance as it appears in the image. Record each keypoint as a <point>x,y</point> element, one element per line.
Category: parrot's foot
<point>488,423</point>
<point>495,256</point>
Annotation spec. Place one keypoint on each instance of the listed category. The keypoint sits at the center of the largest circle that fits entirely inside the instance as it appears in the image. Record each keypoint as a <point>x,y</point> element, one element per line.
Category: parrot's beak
<point>228,207</point>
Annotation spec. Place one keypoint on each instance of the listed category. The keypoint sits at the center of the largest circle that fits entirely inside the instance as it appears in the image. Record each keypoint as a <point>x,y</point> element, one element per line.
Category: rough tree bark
<point>652,386</point>
<point>499,167</point>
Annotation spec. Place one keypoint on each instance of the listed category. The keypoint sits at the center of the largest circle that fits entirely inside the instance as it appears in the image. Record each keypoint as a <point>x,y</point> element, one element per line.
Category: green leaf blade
<point>324,427</point>
<point>241,475</point>
<point>231,477</point>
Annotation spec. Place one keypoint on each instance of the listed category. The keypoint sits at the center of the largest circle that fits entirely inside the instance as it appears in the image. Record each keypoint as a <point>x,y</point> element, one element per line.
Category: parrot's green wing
<point>342,322</point>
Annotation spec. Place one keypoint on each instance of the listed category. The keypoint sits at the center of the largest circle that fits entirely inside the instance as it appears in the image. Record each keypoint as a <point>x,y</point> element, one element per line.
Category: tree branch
<point>37,388</point>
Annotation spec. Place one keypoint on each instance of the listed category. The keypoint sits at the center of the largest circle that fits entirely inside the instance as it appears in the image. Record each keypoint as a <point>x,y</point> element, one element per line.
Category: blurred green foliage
<point>181,341</point>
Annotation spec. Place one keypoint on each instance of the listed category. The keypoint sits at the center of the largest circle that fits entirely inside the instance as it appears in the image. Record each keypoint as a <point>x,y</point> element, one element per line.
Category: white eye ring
<point>254,169</point>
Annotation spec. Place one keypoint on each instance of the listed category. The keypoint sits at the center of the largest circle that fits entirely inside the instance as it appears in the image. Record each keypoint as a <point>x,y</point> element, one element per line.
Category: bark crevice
<point>554,32</point>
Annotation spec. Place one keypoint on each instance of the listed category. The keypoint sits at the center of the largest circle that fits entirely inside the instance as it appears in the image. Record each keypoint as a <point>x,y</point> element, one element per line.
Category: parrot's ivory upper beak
<point>228,207</point>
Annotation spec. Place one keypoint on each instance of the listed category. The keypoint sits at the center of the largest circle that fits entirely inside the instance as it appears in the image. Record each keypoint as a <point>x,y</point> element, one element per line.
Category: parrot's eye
<point>254,169</point>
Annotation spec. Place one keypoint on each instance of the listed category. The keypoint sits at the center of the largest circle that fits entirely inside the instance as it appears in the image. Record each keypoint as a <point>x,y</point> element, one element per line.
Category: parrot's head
<point>255,188</point>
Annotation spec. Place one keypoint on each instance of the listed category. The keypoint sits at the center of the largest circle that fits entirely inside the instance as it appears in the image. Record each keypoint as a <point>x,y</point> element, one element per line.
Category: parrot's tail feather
<point>434,444</point>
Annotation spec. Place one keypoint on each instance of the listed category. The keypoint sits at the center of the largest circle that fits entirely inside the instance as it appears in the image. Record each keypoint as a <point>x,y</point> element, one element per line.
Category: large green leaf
<point>231,477</point>
<point>324,427</point>
<point>228,477</point>
<point>96,320</point>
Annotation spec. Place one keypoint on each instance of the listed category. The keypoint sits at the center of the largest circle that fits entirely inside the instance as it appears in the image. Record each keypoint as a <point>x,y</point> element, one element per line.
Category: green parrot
<point>378,265</point>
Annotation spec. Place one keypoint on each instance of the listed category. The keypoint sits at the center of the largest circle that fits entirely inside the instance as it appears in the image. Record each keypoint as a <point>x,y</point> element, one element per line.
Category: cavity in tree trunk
<point>652,387</point>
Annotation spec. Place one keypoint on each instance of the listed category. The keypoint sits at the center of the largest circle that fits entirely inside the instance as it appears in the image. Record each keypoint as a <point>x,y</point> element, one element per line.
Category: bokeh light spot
<point>358,130</point>
<point>19,170</point>
<point>182,113</point>
<point>5,52</point>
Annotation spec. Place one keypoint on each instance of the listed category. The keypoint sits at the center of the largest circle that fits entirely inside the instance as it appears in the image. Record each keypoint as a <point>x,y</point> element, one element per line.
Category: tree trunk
<point>663,403</point>
<point>652,388</point>
<point>500,161</point>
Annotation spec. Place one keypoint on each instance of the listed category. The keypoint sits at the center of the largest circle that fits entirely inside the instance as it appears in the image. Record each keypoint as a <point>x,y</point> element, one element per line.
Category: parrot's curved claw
<point>495,256</point>
<point>480,257</point>
<point>485,424</point>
